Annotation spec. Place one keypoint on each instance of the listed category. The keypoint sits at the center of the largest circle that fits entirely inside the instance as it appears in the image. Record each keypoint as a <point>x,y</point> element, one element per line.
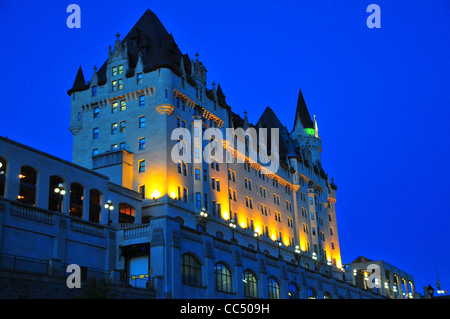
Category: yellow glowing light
<point>225,215</point>
<point>155,194</point>
<point>258,230</point>
<point>21,176</point>
<point>173,195</point>
<point>243,224</point>
<point>274,237</point>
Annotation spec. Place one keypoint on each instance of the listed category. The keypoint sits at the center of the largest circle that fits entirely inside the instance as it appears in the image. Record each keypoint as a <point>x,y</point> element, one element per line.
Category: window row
<point>56,194</point>
<point>191,274</point>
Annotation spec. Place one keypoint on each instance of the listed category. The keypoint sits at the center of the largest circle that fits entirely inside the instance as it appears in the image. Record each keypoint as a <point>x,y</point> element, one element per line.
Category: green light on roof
<point>310,131</point>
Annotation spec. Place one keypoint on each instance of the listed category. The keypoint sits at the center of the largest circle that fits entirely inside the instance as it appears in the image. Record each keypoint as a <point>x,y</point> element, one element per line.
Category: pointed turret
<point>302,113</point>
<point>79,84</point>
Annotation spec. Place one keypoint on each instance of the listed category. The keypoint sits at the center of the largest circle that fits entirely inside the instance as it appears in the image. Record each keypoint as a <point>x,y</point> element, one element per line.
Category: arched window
<point>274,288</point>
<point>326,295</point>
<point>251,246</point>
<point>3,167</point>
<point>126,213</point>
<point>222,278</point>
<point>191,271</point>
<point>55,197</point>
<point>27,191</point>
<point>293,291</point>
<point>76,200</point>
<point>311,293</point>
<point>95,207</point>
<point>250,284</point>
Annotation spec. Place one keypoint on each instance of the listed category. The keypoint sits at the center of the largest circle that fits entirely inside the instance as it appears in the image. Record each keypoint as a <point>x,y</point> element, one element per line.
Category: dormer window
<point>117,70</point>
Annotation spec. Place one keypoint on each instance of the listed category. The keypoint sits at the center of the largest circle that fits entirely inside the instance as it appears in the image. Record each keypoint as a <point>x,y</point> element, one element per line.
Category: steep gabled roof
<point>79,84</point>
<point>302,113</point>
<point>157,46</point>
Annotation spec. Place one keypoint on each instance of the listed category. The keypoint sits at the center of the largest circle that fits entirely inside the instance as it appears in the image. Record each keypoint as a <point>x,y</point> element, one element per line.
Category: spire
<point>79,84</point>
<point>245,120</point>
<point>302,113</point>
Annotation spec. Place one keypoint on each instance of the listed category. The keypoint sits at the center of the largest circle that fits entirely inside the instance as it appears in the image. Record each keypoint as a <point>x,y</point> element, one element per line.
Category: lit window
<point>96,112</point>
<point>114,147</point>
<point>114,128</point>
<point>115,107</point>
<point>250,284</point>
<point>114,71</point>
<point>222,275</point>
<point>120,84</point>
<point>274,289</point>
<point>95,133</point>
<point>95,152</point>
<point>198,200</point>
<point>122,145</point>
<point>123,105</point>
<point>120,69</point>
<point>114,85</point>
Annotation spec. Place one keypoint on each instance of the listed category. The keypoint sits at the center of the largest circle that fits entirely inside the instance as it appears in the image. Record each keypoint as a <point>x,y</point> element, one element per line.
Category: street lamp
<point>61,192</point>
<point>279,247</point>
<point>297,253</point>
<point>232,226</point>
<point>256,235</point>
<point>109,207</point>
<point>203,213</point>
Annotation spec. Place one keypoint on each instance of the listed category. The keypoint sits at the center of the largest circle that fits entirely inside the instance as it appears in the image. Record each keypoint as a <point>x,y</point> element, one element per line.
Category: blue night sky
<point>381,97</point>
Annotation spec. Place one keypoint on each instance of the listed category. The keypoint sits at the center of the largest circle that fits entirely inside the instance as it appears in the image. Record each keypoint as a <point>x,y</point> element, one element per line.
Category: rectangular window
<point>123,105</point>
<point>218,186</point>
<point>141,166</point>
<point>142,191</point>
<point>120,84</point>
<point>114,85</point>
<point>122,145</point>
<point>114,147</point>
<point>213,183</point>
<point>198,200</point>
<point>120,69</point>
<point>140,78</point>
<point>95,133</point>
<point>114,71</point>
<point>178,122</point>
<point>185,169</point>
<point>141,121</point>
<point>122,126</point>
<point>94,90</point>
<point>142,100</point>
<point>197,173</point>
<point>185,195</point>
<point>310,200</point>
<point>142,143</point>
<point>197,152</point>
<point>205,175</point>
<point>95,152</point>
<point>179,167</point>
<point>115,107</point>
<point>96,112</point>
<point>113,128</point>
